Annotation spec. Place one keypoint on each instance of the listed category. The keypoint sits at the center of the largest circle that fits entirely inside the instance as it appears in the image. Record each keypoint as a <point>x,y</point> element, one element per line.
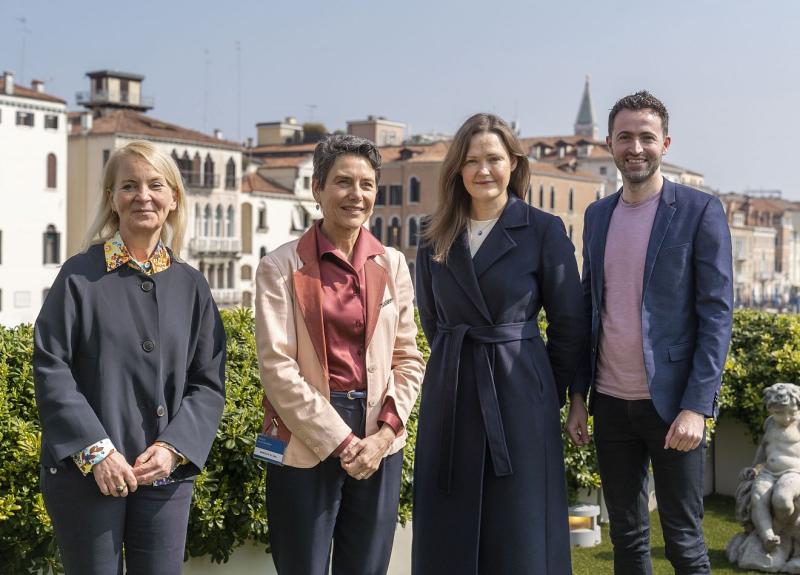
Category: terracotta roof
<point>551,140</point>
<point>283,149</point>
<point>137,124</point>
<point>415,154</point>
<point>283,161</point>
<point>545,168</point>
<point>255,182</point>
<point>23,92</point>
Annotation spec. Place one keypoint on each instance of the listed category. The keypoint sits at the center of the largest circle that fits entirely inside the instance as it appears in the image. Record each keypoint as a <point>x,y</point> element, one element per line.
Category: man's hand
<point>686,432</point>
<point>577,421</point>
<point>366,457</point>
<point>155,462</point>
<point>114,473</point>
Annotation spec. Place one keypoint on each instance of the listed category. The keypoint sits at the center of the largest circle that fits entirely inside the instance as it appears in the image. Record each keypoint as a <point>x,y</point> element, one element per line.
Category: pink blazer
<point>291,349</point>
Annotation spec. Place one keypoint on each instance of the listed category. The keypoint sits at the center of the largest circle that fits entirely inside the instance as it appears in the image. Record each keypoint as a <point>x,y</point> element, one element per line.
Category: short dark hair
<point>336,145</point>
<point>642,100</point>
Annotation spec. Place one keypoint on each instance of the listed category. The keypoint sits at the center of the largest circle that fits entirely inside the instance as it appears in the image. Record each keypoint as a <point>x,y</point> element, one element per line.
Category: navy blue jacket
<point>687,296</point>
<point>131,357</point>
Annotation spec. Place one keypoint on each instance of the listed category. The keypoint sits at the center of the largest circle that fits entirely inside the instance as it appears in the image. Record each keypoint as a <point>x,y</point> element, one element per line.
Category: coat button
<point>160,411</point>
<point>148,346</point>
<point>371,369</point>
<point>53,470</point>
<point>147,285</point>
<point>372,403</point>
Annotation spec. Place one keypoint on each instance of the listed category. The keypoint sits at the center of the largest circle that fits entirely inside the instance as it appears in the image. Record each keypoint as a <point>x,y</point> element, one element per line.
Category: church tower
<point>585,123</point>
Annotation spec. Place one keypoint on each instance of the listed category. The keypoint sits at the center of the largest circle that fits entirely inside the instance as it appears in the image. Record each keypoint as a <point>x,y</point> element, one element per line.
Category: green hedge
<point>228,506</point>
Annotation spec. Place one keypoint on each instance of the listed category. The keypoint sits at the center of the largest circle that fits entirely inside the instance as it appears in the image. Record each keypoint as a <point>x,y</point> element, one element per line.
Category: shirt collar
<point>117,255</point>
<point>367,246</point>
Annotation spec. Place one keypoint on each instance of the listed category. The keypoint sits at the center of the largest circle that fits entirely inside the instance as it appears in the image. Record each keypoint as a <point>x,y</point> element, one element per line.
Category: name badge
<point>269,448</point>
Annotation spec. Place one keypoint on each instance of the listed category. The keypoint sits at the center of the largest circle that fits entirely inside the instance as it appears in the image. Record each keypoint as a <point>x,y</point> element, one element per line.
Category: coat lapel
<point>499,242</point>
<point>459,262</point>
<point>599,257</point>
<point>375,278</point>
<point>664,213</point>
<point>308,288</point>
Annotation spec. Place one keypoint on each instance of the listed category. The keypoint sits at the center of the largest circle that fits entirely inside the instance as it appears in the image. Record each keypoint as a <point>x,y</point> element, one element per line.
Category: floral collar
<point>117,255</point>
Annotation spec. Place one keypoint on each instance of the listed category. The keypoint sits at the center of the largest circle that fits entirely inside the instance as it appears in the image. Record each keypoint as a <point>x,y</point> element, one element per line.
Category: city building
<point>379,130</point>
<point>33,193</point>
<point>210,165</point>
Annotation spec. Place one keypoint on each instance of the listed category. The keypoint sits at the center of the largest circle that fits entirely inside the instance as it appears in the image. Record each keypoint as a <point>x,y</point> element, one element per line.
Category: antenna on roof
<point>205,89</point>
<point>25,31</point>
<point>238,91</point>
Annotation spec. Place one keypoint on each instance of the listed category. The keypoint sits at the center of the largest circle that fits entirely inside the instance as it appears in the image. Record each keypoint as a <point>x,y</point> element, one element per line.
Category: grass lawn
<point>719,526</point>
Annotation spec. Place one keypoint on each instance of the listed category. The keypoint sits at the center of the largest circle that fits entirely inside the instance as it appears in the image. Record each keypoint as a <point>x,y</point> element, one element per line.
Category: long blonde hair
<point>452,212</point>
<point>106,221</point>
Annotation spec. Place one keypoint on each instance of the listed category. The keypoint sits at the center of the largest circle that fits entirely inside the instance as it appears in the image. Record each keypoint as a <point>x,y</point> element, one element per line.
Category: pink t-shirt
<point>620,363</point>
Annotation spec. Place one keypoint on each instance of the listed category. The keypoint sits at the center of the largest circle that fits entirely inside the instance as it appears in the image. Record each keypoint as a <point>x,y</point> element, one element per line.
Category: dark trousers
<point>92,529</point>
<point>307,508</point>
<point>628,435</point>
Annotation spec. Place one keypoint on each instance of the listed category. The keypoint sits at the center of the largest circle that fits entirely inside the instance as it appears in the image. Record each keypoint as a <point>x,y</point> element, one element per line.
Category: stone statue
<point>768,496</point>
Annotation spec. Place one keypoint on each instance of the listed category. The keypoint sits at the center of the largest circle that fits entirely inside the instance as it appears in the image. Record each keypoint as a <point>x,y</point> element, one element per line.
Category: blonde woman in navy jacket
<point>129,369</point>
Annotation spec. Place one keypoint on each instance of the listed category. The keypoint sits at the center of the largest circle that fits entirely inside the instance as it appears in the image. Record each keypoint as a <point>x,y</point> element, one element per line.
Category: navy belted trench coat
<point>489,486</point>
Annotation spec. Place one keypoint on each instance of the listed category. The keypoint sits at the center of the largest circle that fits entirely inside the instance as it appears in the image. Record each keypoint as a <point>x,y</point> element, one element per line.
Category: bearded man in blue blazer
<point>657,284</point>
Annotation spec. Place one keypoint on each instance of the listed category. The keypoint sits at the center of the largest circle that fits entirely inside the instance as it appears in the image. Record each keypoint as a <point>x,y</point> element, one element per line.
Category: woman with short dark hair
<point>341,371</point>
<point>489,486</point>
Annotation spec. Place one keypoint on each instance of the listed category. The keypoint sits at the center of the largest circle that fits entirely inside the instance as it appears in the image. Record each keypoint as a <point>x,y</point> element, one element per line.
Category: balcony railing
<point>226,296</point>
<point>208,245</point>
<point>104,97</point>
<point>198,180</point>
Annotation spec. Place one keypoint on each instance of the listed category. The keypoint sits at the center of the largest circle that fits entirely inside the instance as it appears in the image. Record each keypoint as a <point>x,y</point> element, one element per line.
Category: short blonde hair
<point>106,221</point>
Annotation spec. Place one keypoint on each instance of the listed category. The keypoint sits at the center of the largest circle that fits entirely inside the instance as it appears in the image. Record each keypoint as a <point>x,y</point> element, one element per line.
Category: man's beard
<point>642,174</point>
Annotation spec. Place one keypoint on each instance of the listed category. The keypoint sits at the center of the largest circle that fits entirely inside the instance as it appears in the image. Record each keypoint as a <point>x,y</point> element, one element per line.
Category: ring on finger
<point>121,488</point>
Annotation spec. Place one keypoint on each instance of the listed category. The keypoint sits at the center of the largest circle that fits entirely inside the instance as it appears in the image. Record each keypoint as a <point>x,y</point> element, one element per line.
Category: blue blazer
<point>687,296</point>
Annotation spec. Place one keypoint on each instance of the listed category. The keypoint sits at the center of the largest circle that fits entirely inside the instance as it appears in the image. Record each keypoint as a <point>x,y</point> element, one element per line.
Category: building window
<point>262,218</point>
<point>208,172</point>
<point>541,195</point>
<point>221,276</point>
<point>377,229</point>
<point>413,190</point>
<point>395,195</point>
<point>51,122</point>
<point>230,175</point>
<point>597,195</point>
<point>552,198</point>
<point>306,182</point>
<point>25,119</point>
<point>229,222</point>
<point>218,222</point>
<point>413,232</point>
<point>51,171</point>
<point>412,271</point>
<point>247,272</point>
<point>45,291</point>
<point>603,170</point>
<point>198,221</point>
<point>51,245</point>
<point>106,155</point>
<point>570,232</point>
<point>247,299</point>
<point>380,198</point>
<point>571,201</point>
<point>262,252</point>
<point>207,221</point>
<point>394,234</point>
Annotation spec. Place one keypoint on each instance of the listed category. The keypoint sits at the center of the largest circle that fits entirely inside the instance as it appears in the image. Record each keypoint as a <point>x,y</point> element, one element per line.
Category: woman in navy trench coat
<point>489,485</point>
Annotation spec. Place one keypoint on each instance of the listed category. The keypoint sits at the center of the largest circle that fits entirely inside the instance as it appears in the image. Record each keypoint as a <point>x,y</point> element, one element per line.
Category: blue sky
<point>727,70</point>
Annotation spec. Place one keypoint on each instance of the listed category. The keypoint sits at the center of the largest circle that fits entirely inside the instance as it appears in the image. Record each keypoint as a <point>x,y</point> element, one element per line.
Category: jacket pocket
<point>680,351</point>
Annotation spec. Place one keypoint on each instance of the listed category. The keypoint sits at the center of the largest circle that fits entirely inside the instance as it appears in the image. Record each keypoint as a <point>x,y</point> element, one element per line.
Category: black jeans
<point>628,435</point>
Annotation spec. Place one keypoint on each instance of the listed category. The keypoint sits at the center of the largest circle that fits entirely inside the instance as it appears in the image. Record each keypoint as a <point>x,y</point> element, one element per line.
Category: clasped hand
<point>115,477</point>
<point>362,457</point>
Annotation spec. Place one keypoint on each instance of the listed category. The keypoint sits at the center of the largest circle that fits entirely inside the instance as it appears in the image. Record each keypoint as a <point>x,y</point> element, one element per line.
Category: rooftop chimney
<point>38,86</point>
<point>86,122</point>
<point>8,83</point>
<point>218,134</point>
<point>291,120</point>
